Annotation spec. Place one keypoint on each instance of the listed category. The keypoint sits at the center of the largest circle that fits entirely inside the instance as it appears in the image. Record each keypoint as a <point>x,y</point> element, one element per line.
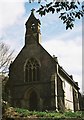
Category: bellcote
<point>32,28</point>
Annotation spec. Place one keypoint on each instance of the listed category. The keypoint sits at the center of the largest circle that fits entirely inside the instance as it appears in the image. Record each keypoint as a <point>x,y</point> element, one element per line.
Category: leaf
<point>63,13</point>
<point>78,16</point>
<point>83,7</point>
<point>47,10</point>
<point>73,13</point>
<point>58,10</point>
<point>78,2</point>
<point>82,15</point>
<point>42,6</point>
<point>76,6</point>
<point>40,9</point>
<point>63,17</point>
<point>51,9</point>
<point>39,1</point>
<point>66,27</point>
<point>72,5</point>
<point>64,21</point>
<point>57,4</point>
<point>47,5</point>
<point>70,14</point>
<point>42,13</point>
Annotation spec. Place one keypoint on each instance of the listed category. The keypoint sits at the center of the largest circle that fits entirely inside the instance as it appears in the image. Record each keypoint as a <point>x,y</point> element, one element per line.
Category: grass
<point>69,114</point>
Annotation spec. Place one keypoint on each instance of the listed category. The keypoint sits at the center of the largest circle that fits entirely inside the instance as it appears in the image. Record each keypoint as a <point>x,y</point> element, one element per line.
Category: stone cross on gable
<point>33,10</point>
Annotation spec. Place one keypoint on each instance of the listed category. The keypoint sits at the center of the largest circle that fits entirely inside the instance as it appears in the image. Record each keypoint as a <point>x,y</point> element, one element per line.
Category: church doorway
<point>33,101</point>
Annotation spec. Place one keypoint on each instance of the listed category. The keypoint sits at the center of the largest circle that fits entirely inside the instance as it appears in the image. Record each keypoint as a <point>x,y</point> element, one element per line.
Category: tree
<point>67,11</point>
<point>5,57</point>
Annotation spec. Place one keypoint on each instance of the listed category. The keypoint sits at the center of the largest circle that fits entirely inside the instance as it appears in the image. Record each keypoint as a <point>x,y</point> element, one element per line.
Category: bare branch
<point>6,55</point>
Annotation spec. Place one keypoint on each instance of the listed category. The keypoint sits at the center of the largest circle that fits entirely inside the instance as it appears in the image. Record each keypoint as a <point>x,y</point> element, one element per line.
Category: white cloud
<point>67,46</point>
<point>13,1</point>
<point>10,12</point>
<point>69,55</point>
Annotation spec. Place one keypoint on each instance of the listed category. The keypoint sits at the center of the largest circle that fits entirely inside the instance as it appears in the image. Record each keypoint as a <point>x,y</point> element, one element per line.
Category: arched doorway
<point>33,101</point>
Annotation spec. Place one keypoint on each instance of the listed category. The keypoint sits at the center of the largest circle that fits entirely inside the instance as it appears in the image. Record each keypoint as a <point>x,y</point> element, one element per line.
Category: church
<point>36,80</point>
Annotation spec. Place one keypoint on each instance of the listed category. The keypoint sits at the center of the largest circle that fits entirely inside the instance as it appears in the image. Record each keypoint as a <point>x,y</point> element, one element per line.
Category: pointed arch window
<point>32,70</point>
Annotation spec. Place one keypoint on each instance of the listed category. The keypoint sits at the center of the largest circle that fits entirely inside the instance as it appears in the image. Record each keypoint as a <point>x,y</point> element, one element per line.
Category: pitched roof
<point>32,18</point>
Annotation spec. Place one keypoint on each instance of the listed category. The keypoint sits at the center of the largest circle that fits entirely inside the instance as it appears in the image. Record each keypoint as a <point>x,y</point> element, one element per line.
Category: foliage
<point>77,114</point>
<point>6,90</point>
<point>5,106</point>
<point>68,11</point>
<point>48,114</point>
<point>10,112</point>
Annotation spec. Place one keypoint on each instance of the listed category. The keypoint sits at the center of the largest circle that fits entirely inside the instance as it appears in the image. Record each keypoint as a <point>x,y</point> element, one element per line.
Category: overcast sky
<point>64,44</point>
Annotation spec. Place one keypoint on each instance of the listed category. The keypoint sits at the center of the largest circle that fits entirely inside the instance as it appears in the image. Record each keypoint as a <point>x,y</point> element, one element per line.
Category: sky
<point>64,44</point>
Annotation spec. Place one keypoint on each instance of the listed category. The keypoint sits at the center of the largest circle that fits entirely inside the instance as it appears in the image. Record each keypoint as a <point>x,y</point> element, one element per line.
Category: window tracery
<point>32,70</point>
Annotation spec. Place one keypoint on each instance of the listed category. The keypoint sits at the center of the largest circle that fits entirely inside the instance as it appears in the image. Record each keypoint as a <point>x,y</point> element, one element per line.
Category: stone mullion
<point>32,73</point>
<point>28,75</point>
<point>36,73</point>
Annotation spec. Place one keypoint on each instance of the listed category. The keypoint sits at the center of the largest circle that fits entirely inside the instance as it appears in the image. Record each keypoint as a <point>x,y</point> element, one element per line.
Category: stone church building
<point>36,80</point>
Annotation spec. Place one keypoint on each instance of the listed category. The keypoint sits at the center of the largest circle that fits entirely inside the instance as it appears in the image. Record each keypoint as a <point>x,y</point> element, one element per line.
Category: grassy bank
<point>68,114</point>
<point>18,112</point>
